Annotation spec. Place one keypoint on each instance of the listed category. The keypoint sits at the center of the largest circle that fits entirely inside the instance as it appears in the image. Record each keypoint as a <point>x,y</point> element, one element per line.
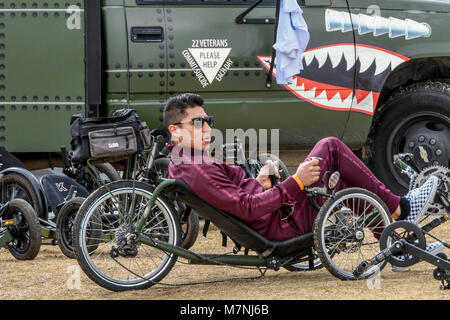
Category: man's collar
<point>187,155</point>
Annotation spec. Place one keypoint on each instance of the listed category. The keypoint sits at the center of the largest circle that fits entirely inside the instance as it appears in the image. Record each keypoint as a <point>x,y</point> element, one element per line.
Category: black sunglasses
<point>199,121</point>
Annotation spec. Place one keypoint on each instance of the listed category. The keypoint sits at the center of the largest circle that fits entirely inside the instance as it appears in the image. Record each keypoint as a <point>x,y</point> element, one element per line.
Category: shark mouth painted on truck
<point>329,79</point>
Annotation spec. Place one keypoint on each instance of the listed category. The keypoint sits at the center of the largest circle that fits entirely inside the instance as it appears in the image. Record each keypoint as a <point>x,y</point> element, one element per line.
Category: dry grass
<point>46,278</point>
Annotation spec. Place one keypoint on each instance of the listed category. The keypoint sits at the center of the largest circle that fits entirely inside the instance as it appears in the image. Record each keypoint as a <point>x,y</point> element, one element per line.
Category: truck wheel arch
<point>408,120</point>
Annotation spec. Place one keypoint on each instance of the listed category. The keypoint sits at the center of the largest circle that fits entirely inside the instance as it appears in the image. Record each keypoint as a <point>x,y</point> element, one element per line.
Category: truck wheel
<point>415,119</point>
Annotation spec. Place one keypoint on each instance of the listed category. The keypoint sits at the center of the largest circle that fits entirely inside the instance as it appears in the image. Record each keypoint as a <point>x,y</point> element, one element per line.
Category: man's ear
<point>174,134</point>
<point>171,128</point>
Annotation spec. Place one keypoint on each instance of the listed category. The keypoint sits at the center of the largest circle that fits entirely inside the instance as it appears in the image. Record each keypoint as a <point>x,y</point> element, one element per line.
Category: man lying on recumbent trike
<point>256,201</point>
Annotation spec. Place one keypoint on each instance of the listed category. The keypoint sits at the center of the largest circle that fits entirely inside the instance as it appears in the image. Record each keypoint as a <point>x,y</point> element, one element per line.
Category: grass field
<point>50,276</point>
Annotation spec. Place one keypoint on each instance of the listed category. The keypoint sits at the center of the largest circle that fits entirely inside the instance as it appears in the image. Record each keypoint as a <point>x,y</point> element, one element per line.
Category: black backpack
<point>109,138</point>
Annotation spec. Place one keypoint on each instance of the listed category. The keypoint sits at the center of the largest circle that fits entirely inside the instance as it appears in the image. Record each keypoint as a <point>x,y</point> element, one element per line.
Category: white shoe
<point>420,198</point>
<point>432,248</point>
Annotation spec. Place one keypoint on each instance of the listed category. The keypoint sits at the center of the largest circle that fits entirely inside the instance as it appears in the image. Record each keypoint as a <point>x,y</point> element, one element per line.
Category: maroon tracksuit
<point>225,187</point>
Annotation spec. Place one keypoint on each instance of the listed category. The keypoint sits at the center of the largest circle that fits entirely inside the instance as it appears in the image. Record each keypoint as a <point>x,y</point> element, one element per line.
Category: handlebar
<point>68,169</point>
<point>65,157</point>
<point>273,180</point>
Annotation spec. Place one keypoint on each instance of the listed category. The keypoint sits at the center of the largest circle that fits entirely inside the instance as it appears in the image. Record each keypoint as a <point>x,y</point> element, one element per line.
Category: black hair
<point>175,108</point>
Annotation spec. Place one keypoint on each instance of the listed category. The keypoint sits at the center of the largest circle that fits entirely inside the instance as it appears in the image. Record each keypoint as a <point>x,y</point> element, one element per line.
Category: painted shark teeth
<point>366,55</point>
<point>335,54</point>
<point>377,25</point>
<point>317,88</point>
<point>334,98</point>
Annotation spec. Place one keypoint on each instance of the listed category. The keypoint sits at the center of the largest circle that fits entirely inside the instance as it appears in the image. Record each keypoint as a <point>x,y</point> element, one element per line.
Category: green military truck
<point>376,73</point>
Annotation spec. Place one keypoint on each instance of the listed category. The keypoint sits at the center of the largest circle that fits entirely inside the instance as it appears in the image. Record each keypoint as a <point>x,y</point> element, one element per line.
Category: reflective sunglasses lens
<point>210,121</point>
<point>198,123</point>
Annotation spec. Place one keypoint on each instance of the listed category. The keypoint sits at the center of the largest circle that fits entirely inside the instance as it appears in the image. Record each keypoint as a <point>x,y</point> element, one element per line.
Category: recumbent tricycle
<point>127,234</point>
<point>140,243</point>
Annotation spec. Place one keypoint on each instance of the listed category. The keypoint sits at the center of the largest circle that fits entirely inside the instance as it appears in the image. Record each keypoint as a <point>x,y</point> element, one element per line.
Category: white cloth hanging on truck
<point>292,40</point>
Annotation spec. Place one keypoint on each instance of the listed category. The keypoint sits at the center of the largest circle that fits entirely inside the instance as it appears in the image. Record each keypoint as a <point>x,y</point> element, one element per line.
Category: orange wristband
<point>299,182</point>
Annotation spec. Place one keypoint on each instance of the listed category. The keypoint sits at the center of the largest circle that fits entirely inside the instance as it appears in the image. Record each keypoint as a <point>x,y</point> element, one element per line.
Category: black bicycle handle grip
<point>273,178</point>
<point>65,157</point>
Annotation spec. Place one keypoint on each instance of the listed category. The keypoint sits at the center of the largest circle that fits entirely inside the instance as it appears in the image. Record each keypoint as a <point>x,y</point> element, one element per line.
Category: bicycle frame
<point>195,258</point>
<point>204,259</point>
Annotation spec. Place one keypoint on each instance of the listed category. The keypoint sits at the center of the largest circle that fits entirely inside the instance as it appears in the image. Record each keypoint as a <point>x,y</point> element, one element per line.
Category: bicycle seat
<point>235,228</point>
<point>56,189</point>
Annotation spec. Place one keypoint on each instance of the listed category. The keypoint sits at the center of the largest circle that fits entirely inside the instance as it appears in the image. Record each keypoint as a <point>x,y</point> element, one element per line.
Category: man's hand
<point>264,175</point>
<point>308,172</point>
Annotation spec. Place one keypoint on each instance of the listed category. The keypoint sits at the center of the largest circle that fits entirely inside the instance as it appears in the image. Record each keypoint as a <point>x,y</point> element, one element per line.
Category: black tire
<point>26,231</point>
<point>189,227</point>
<point>414,119</point>
<point>337,224</point>
<point>109,171</point>
<point>16,186</point>
<point>161,165</point>
<point>64,224</point>
<point>106,172</point>
<point>166,218</point>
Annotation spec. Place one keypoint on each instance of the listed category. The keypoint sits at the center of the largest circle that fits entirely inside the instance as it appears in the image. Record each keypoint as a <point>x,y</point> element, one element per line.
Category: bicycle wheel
<point>104,221</point>
<point>26,231</point>
<point>347,230</point>
<point>105,173</point>
<point>64,224</point>
<point>190,225</point>
<point>16,186</point>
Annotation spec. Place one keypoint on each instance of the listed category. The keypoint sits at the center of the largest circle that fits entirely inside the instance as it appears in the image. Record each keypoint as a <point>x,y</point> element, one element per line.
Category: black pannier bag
<point>108,139</point>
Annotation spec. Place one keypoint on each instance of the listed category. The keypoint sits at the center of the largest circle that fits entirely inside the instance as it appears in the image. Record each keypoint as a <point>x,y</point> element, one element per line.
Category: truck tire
<point>415,119</point>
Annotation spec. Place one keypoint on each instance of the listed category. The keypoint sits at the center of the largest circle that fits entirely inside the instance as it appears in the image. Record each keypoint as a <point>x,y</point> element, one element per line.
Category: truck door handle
<point>147,34</point>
